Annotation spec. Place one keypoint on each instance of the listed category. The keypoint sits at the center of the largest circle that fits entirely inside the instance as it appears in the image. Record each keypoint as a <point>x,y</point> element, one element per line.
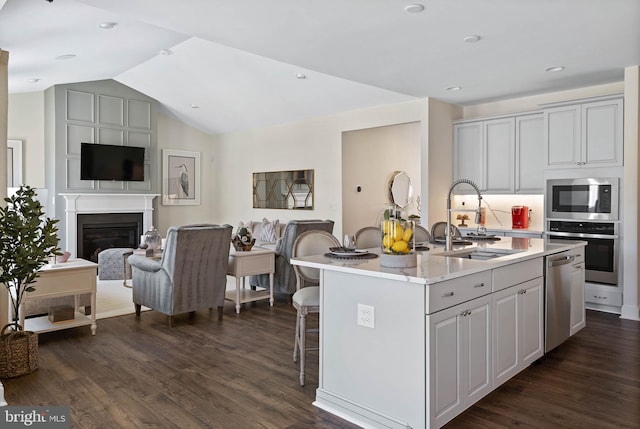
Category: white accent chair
<point>306,299</point>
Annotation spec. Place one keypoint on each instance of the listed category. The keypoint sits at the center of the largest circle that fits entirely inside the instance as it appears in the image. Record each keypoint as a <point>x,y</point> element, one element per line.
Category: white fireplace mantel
<point>104,203</point>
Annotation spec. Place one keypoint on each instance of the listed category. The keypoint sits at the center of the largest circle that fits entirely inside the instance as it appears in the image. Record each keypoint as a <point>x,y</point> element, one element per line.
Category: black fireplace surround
<point>100,231</point>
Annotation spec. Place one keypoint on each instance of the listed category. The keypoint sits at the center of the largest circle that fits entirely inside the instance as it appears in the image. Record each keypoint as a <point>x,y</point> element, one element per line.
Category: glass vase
<point>152,239</point>
<point>397,233</point>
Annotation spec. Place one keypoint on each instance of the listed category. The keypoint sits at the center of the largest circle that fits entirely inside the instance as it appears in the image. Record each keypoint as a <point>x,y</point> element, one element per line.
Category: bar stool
<point>306,299</point>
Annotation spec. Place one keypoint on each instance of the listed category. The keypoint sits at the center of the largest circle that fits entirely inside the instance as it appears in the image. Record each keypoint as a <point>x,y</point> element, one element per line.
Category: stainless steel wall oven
<point>601,252</point>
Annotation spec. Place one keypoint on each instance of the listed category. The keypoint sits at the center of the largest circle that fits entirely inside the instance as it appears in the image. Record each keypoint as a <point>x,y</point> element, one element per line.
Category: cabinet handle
<point>599,297</point>
<point>446,294</point>
<point>479,285</point>
<point>465,313</point>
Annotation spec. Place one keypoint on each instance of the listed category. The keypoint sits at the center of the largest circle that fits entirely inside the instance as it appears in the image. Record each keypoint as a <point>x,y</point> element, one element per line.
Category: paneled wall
<point>100,112</point>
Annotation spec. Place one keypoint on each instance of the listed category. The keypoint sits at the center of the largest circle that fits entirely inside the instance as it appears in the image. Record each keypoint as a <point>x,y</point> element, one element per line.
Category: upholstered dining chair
<point>368,237</point>
<point>191,275</point>
<point>438,230</point>
<point>306,299</point>
<point>421,235</point>
<point>284,279</point>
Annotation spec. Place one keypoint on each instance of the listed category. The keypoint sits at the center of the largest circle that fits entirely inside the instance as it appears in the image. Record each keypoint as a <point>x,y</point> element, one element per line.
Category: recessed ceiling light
<point>66,57</point>
<point>166,52</point>
<point>414,8</point>
<point>34,80</point>
<point>108,25</point>
<point>195,106</point>
<point>301,76</point>
<point>472,38</point>
<point>554,69</point>
<point>454,88</point>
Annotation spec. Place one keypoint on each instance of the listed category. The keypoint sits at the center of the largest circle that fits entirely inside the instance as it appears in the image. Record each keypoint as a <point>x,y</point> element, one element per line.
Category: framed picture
<point>180,178</point>
<point>14,163</point>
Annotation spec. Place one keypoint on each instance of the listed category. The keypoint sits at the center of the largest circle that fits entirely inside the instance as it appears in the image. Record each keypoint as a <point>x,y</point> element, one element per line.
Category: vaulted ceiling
<point>223,65</point>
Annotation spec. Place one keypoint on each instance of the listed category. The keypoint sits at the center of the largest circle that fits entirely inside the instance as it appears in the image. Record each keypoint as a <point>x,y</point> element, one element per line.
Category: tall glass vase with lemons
<point>398,244</point>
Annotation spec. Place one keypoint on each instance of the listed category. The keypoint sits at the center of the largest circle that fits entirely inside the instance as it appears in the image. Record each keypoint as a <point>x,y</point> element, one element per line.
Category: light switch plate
<point>366,315</point>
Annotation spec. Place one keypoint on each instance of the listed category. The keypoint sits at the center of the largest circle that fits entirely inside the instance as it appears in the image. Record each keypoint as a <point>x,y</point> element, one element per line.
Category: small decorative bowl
<point>240,246</point>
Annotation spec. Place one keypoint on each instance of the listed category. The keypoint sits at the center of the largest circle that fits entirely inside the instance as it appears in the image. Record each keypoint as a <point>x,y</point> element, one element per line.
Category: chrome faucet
<point>447,233</point>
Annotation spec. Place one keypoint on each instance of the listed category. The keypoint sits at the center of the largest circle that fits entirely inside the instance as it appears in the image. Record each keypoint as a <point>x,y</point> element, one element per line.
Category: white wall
<point>536,102</point>
<point>174,134</point>
<point>26,123</point>
<point>370,157</point>
<point>631,236</point>
<point>437,166</point>
<point>311,144</point>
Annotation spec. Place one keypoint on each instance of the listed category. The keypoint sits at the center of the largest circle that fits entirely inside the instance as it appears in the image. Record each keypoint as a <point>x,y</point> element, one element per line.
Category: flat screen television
<point>111,162</point>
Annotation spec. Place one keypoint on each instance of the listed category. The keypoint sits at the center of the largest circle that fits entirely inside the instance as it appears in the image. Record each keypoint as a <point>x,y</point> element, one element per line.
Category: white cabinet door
<point>468,155</point>
<point>587,134</point>
<point>505,335</point>
<point>499,164</point>
<point>577,313</point>
<point>530,321</point>
<point>529,154</point>
<point>459,364</point>
<point>562,137</point>
<point>602,133</point>
<point>517,329</point>
<point>501,156</point>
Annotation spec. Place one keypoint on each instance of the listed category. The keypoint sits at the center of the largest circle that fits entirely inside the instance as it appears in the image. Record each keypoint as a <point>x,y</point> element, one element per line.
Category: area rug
<point>113,299</point>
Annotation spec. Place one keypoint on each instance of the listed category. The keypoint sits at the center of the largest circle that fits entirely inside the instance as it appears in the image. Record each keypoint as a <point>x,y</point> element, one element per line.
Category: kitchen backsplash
<point>498,209</point>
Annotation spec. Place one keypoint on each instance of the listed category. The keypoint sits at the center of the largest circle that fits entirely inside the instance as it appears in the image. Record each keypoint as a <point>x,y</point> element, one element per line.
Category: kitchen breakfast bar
<point>414,347</point>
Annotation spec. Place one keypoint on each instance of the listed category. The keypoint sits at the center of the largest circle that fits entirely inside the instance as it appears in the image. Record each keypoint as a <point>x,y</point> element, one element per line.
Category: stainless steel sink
<point>480,253</point>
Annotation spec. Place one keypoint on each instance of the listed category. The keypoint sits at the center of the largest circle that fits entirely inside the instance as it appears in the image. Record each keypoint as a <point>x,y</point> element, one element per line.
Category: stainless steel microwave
<point>583,199</point>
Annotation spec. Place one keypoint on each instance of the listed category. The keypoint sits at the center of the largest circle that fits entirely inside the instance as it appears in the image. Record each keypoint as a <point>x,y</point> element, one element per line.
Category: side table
<point>74,277</point>
<point>243,264</point>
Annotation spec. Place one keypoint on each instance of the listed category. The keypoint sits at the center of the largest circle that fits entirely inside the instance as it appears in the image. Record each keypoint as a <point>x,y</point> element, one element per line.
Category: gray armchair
<point>191,275</point>
<point>284,279</point>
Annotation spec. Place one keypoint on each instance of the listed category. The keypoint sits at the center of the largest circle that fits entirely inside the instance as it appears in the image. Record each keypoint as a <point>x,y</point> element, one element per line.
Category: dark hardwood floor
<point>238,373</point>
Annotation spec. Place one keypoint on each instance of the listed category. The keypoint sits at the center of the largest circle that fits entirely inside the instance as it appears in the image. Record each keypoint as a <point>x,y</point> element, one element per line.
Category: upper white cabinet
<point>468,154</point>
<point>586,134</point>
<point>502,156</point>
<point>529,154</point>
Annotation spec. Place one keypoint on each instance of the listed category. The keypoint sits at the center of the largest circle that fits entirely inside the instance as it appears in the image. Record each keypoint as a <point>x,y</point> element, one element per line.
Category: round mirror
<point>400,189</point>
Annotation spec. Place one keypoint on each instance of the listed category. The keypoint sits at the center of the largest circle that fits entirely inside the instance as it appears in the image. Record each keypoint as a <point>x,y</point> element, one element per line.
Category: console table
<point>243,264</point>
<point>73,277</point>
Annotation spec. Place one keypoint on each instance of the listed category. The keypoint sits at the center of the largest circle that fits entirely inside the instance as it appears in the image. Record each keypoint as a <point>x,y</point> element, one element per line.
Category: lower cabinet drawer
<point>452,292</point>
<point>510,275</point>
<point>598,296</point>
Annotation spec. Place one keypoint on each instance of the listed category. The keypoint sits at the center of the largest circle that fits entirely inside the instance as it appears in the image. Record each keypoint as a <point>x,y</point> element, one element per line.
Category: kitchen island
<point>414,347</point>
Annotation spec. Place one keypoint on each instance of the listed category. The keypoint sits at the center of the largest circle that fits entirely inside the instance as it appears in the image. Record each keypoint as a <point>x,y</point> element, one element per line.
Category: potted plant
<point>27,241</point>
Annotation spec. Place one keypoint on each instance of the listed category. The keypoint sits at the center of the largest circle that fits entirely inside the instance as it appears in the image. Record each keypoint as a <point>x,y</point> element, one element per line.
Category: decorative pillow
<point>270,230</point>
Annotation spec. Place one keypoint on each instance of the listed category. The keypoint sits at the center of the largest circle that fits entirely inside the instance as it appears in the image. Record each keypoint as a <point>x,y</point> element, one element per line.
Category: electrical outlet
<point>366,315</point>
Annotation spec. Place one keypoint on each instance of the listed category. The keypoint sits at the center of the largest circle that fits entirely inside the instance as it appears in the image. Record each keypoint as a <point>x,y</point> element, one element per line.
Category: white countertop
<point>433,268</point>
<point>467,229</point>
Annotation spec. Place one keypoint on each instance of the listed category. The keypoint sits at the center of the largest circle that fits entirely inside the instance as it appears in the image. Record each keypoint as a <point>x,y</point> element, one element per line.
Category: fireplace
<point>77,205</point>
<point>97,232</point>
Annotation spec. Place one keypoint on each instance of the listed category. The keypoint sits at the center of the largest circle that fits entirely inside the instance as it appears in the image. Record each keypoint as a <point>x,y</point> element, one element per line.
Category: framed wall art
<point>180,178</point>
<point>14,163</point>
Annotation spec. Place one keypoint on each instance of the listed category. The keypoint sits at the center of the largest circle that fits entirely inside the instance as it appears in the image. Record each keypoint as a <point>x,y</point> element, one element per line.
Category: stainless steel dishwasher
<point>558,294</point>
